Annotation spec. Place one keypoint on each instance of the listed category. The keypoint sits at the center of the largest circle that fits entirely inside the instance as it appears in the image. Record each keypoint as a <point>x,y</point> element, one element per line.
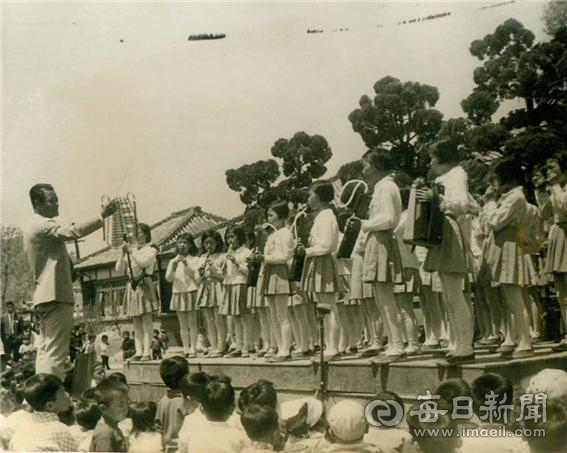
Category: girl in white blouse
<point>274,281</point>
<point>235,290</point>
<point>141,300</point>
<point>556,259</point>
<point>509,263</point>
<point>209,296</point>
<point>382,265</point>
<point>449,258</point>
<point>183,273</point>
<point>320,276</point>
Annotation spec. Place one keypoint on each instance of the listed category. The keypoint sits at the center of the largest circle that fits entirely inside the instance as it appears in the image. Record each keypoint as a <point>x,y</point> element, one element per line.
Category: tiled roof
<point>164,234</point>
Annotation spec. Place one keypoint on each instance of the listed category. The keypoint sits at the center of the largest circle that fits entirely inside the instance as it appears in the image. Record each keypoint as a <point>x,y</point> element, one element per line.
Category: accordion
<point>424,225</point>
<point>301,227</point>
<point>358,204</point>
<point>123,224</point>
<point>255,262</point>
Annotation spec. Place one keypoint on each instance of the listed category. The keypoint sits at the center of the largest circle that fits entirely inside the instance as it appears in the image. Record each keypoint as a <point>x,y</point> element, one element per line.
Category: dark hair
<point>259,421</point>
<point>386,395</point>
<point>380,159</point>
<point>10,302</point>
<point>446,152</point>
<point>423,435</point>
<point>240,233</point>
<point>107,389</point>
<point>560,158</point>
<point>452,388</point>
<point>215,235</point>
<point>41,389</point>
<point>189,239</point>
<point>87,414</point>
<point>172,370</point>
<point>126,332</point>
<point>496,383</point>
<point>143,416</point>
<point>324,191</point>
<point>281,208</point>
<point>193,385</point>
<point>509,171</point>
<point>146,230</point>
<point>88,394</point>
<point>261,392</point>
<point>104,337</point>
<point>121,377</point>
<point>404,195</point>
<point>218,398</point>
<point>37,194</point>
<point>555,428</point>
<point>67,417</point>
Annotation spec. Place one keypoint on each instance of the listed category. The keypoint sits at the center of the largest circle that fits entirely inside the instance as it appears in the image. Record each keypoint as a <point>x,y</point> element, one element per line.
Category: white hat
<point>314,409</point>
<point>551,381</point>
<point>346,421</point>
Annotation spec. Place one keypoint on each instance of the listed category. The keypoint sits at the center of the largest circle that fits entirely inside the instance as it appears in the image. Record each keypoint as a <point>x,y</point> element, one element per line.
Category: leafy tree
<point>15,277</point>
<point>555,16</point>
<point>254,181</point>
<point>401,118</point>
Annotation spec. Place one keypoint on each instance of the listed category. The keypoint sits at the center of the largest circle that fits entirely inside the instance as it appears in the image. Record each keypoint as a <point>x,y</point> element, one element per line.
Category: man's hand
<point>109,208</point>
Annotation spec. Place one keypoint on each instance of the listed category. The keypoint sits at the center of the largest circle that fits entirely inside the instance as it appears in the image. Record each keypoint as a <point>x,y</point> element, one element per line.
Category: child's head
<point>237,236</point>
<point>26,340</point>
<point>91,337</point>
<point>144,234</point>
<point>87,414</point>
<point>422,430</point>
<point>262,425</point>
<point>376,162</point>
<point>156,333</point>
<point>172,370</point>
<point>346,422</point>
<point>555,429</point>
<point>143,416</point>
<point>212,242</point>
<point>193,385</point>
<point>104,338</point>
<point>218,398</point>
<point>125,334</point>
<point>484,385</point>
<point>120,377</point>
<point>261,392</point>
<point>391,396</point>
<point>321,193</point>
<point>186,245</point>
<point>507,174</point>
<point>278,212</point>
<point>112,397</point>
<point>302,415</point>
<point>444,155</point>
<point>452,388</point>
<point>45,393</point>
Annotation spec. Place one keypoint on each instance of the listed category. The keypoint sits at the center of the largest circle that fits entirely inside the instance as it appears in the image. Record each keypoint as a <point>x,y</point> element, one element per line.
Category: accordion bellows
<point>123,221</point>
<point>425,220</point>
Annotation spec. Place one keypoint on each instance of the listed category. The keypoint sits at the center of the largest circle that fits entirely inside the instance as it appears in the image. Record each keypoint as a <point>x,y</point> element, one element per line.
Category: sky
<point>110,97</point>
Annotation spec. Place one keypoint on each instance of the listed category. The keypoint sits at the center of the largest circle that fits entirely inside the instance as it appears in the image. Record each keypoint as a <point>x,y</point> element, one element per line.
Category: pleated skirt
<point>210,293</point>
<point>382,260</point>
<point>430,279</point>
<point>320,275</point>
<point>298,297</point>
<point>184,301</point>
<point>510,265</point>
<point>254,299</point>
<point>556,257</point>
<point>359,290</point>
<point>408,286</point>
<point>346,281</point>
<point>234,301</point>
<point>274,280</point>
<point>449,256</point>
<point>143,299</point>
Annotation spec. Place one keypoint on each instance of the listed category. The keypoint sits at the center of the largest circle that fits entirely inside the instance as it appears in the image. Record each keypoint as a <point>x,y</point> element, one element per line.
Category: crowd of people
<point>201,413</point>
<point>486,278</point>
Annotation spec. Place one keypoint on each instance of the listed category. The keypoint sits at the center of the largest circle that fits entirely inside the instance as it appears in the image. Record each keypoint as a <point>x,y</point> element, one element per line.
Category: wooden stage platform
<point>351,377</point>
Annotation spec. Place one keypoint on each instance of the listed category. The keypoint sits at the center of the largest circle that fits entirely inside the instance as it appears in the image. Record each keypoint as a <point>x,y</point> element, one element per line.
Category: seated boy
<point>87,415</point>
<point>388,438</point>
<point>262,425</point>
<point>174,406</point>
<point>43,431</point>
<point>214,435</point>
<point>347,426</point>
<point>111,396</point>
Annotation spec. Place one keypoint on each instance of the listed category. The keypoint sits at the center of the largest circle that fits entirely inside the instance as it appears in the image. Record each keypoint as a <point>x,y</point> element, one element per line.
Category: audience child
<point>262,426</point>
<point>144,438</point>
<point>157,346</point>
<point>304,424</point>
<point>128,348</point>
<point>112,398</point>
<point>555,428</point>
<point>89,345</point>
<point>192,387</point>
<point>551,381</point>
<point>27,349</point>
<point>346,429</point>
<point>388,438</point>
<point>105,352</point>
<point>174,406</point>
<point>214,435</point>
<point>19,417</point>
<point>43,431</point>
<point>87,415</point>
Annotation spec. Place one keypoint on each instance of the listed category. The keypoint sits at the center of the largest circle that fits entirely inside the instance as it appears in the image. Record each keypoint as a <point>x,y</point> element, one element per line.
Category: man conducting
<point>51,268</point>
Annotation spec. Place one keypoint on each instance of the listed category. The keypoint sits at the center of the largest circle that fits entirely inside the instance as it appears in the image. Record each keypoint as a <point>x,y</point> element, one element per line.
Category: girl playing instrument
<point>210,291</point>
<point>183,273</point>
<point>141,300</point>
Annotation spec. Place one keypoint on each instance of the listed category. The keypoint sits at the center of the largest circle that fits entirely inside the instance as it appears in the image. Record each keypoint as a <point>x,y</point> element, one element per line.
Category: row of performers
<point>372,291</point>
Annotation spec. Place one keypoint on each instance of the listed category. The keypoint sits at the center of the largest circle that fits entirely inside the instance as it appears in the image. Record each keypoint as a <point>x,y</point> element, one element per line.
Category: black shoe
<point>561,347</point>
<point>460,359</point>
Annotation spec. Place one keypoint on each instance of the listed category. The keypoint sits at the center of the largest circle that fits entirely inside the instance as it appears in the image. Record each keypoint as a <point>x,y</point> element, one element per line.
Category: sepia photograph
<point>293,226</point>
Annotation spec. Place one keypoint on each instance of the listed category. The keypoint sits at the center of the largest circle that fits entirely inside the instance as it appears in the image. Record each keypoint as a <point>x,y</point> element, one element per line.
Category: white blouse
<point>214,268</point>
<point>186,277</point>
<point>279,247</point>
<point>385,208</point>
<point>143,259</point>
<point>456,200</point>
<point>237,273</point>
<point>510,211</point>
<point>324,235</point>
<point>559,203</point>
